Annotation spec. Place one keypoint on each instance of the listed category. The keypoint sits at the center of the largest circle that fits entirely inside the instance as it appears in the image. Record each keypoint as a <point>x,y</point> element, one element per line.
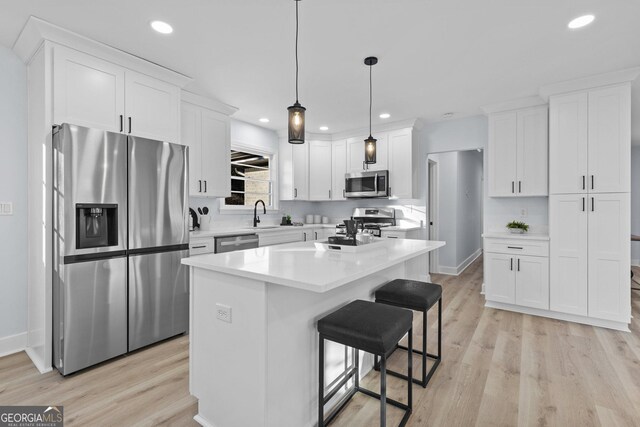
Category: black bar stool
<point>373,328</point>
<point>418,296</point>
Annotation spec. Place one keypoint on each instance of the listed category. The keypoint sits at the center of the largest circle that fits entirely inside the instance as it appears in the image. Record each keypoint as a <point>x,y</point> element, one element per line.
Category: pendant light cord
<point>370,98</point>
<point>297,1</point>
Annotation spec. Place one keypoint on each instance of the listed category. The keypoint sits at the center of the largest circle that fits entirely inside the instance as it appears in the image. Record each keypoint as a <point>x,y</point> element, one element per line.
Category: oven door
<point>367,184</point>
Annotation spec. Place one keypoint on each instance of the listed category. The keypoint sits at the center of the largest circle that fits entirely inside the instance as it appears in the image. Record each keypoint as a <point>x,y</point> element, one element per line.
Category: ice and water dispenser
<point>96,225</point>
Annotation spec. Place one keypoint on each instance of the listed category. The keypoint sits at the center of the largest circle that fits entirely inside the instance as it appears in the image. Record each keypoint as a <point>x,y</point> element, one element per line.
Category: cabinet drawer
<point>517,247</point>
<point>278,238</point>
<point>201,246</point>
<point>394,234</point>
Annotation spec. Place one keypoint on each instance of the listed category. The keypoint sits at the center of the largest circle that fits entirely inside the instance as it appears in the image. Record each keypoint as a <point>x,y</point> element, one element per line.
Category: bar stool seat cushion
<point>374,328</point>
<point>410,293</point>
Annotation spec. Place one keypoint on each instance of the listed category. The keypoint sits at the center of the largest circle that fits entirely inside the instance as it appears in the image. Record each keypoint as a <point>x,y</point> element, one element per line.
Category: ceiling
<point>436,56</point>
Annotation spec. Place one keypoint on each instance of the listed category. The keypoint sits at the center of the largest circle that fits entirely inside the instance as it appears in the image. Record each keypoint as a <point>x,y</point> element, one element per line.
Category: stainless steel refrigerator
<point>119,232</point>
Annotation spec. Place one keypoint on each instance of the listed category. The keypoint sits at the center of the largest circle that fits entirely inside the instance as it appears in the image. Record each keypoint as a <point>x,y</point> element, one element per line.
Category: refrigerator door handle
<point>129,124</point>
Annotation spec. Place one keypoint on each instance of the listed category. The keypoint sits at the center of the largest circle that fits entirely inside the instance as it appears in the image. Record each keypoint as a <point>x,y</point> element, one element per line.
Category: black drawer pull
<point>514,247</point>
<point>199,247</point>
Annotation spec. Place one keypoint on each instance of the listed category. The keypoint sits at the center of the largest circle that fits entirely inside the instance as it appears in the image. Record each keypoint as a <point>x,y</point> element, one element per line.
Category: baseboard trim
<point>203,422</point>
<point>37,361</point>
<point>609,324</point>
<point>13,344</point>
<point>456,271</point>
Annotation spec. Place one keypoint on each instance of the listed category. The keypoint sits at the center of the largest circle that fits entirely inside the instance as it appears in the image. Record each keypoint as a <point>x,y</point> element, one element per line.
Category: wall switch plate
<point>6,208</point>
<point>523,213</point>
<point>223,312</point>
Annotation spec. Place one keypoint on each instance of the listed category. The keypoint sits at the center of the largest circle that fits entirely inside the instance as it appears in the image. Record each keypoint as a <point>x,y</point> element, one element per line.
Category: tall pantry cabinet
<point>589,206</point>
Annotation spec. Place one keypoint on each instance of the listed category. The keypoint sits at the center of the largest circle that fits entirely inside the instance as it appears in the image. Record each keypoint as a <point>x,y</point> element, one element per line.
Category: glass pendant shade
<point>370,150</point>
<point>296,123</point>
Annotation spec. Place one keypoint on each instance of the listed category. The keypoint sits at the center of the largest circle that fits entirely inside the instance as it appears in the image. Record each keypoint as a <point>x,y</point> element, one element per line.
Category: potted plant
<point>517,227</point>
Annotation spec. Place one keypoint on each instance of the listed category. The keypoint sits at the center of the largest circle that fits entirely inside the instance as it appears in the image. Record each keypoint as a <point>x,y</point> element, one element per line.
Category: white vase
<point>205,222</point>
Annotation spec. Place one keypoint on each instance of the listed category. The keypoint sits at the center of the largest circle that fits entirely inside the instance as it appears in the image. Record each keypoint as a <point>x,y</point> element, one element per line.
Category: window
<point>250,179</point>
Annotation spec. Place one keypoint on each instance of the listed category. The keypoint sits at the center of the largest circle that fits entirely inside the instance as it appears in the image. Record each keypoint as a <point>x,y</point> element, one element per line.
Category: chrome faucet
<point>256,218</point>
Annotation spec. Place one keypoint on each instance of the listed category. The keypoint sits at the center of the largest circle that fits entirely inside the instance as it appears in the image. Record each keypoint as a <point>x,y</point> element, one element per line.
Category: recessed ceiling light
<point>324,127</point>
<point>264,120</point>
<point>385,115</point>
<point>447,115</point>
<point>581,21</point>
<point>162,27</point>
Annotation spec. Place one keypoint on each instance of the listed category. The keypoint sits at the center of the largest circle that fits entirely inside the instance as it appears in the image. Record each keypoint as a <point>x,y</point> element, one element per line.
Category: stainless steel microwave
<point>367,184</point>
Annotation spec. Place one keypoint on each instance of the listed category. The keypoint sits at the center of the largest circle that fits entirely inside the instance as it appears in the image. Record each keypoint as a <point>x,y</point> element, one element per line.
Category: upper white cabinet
<point>320,170</point>
<point>91,92</point>
<point>207,134</point>
<point>293,170</point>
<point>401,164</point>
<point>87,91</point>
<point>355,153</point>
<point>517,153</point>
<point>590,141</point>
<point>152,107</point>
<point>338,169</point>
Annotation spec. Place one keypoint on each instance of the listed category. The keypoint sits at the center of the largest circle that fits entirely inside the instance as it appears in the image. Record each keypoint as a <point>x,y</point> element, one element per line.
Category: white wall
<point>469,206</point>
<point>635,203</point>
<point>13,188</point>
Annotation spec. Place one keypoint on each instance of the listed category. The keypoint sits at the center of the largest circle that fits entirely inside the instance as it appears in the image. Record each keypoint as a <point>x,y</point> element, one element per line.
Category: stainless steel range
<point>371,220</point>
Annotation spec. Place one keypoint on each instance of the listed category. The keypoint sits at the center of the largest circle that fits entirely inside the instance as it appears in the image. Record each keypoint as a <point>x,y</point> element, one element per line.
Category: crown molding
<point>514,104</point>
<point>37,30</point>
<point>607,79</point>
<point>209,103</point>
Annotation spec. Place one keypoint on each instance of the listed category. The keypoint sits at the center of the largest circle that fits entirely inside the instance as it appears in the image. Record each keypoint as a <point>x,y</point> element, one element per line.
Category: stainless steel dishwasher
<point>236,242</point>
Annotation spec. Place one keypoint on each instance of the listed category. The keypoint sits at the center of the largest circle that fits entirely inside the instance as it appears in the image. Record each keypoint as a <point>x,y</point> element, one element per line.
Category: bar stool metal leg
<point>321,382</point>
<point>383,391</point>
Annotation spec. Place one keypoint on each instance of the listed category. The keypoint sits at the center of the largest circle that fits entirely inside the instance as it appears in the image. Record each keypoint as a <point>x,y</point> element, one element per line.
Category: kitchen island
<point>253,313</point>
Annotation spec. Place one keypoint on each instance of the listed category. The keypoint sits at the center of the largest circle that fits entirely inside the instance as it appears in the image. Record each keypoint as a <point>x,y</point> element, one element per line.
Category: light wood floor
<point>498,369</point>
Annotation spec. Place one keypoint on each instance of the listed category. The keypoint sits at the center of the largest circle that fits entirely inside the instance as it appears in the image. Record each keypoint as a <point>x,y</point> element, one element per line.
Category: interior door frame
<point>433,197</point>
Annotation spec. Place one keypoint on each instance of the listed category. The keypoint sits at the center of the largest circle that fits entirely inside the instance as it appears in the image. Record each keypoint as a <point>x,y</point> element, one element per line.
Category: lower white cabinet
<point>590,255</point>
<point>400,234</point>
<point>515,276</point>
<point>281,237</point>
<point>201,245</point>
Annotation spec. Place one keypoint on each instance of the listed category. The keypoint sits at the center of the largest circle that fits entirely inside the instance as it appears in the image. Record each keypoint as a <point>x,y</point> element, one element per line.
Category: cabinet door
<point>319,170</point>
<point>502,154</point>
<point>191,136</point>
<point>285,170</point>
<point>500,276</point>
<point>152,107</point>
<point>568,254</point>
<point>300,156</point>
<point>610,140</point>
<point>87,91</point>
<point>568,144</point>
<point>338,169</point>
<point>532,152</point>
<point>216,154</point>
<point>401,164</point>
<point>355,154</point>
<point>532,282</point>
<point>609,257</point>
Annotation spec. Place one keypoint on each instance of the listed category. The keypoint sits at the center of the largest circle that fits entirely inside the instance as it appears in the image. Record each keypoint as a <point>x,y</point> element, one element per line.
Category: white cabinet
<point>152,107</point>
<point>517,153</point>
<point>201,245</point>
<point>207,134</point>
<point>517,272</point>
<point>590,255</point>
<point>338,169</point>
<point>400,234</point>
<point>280,237</point>
<point>568,252</point>
<point>355,153</point>
<point>590,141</point>
<point>401,164</point>
<point>609,256</point>
<point>91,92</point>
<point>320,170</point>
<point>87,91</point>
<point>293,170</point>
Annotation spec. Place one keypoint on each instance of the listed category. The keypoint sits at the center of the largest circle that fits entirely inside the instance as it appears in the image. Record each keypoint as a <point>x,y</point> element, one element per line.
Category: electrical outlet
<point>6,208</point>
<point>223,312</point>
<point>523,213</point>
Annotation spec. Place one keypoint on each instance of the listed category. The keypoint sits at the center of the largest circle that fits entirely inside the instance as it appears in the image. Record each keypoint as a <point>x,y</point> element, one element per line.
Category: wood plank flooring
<point>498,369</point>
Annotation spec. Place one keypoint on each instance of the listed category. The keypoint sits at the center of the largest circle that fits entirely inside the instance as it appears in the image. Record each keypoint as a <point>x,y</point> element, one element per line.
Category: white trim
<point>208,103</point>
<point>609,324</point>
<point>449,271</point>
<point>616,77</point>
<point>36,30</point>
<point>456,271</point>
<point>202,421</point>
<point>38,363</point>
<point>515,104</point>
<point>13,344</point>
<point>482,291</point>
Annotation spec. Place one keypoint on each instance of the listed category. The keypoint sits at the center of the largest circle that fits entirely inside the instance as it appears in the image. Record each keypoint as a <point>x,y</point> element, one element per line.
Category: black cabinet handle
<point>344,196</point>
<point>199,186</point>
<point>513,247</point>
<point>583,203</point>
<point>513,186</point>
<point>316,235</point>
<point>593,204</point>
<point>511,267</point>
<point>305,236</point>
<point>592,183</point>
<point>199,247</point>
<point>584,182</point>
<point>129,124</point>
<point>518,264</point>
<point>519,186</point>
<point>295,193</point>
<point>329,194</point>
<point>205,186</point>
<point>121,122</point>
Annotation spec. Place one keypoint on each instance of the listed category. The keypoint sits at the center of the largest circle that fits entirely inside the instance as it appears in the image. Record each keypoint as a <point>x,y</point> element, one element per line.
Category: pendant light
<point>296,111</point>
<point>370,143</point>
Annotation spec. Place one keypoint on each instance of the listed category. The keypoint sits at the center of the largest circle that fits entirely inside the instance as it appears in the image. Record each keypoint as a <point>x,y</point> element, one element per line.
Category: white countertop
<point>301,265</point>
<point>507,235</point>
